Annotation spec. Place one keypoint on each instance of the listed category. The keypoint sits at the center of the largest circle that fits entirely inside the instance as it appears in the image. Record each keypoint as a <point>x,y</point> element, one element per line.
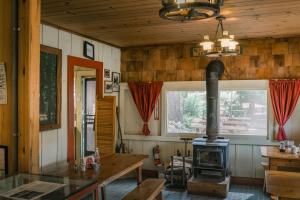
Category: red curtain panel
<point>145,96</point>
<point>284,96</point>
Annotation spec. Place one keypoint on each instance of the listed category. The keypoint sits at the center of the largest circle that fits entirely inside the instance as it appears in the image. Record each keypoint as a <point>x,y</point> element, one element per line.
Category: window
<point>242,112</point>
<point>186,111</point>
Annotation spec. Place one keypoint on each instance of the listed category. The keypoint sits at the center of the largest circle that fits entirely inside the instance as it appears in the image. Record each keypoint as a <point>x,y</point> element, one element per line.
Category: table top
<point>273,152</point>
<point>71,186</point>
<point>112,167</point>
<point>283,184</point>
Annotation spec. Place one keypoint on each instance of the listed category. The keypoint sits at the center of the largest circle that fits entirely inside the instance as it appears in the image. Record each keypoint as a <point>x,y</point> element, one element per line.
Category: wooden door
<point>105,125</point>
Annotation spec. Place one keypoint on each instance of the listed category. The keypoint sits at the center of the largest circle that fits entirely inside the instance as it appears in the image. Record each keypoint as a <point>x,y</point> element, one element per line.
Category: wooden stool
<point>149,189</point>
<point>265,165</point>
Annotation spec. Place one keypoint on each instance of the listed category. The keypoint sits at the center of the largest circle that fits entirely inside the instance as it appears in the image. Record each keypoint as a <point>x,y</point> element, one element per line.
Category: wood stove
<point>210,158</point>
<point>211,152</point>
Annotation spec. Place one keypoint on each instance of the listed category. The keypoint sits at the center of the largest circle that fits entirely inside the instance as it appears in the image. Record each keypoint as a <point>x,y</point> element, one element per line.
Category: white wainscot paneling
<point>106,56</point>
<point>147,150</point>
<point>49,147</point>
<point>166,151</point>
<point>54,143</point>
<point>258,170</point>
<point>96,50</point>
<point>181,147</point>
<point>135,147</point>
<point>50,36</point>
<point>77,46</point>
<point>232,159</point>
<point>100,52</point>
<point>243,162</point>
<point>65,39</point>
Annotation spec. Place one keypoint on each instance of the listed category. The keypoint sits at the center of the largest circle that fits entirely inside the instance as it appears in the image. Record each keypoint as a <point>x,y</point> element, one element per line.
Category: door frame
<point>72,62</point>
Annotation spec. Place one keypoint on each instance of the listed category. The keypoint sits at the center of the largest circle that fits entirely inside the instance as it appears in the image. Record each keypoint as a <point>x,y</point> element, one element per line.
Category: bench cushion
<point>147,190</point>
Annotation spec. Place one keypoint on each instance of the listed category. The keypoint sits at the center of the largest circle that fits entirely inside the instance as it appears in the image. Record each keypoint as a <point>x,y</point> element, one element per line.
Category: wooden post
<point>29,85</point>
<point>6,137</point>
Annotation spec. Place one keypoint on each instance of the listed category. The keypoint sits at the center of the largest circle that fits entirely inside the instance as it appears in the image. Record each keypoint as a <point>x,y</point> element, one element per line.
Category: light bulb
<point>207,45</point>
<point>232,45</point>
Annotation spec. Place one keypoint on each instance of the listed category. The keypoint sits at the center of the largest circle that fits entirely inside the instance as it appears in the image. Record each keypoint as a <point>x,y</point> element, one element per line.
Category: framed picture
<point>108,86</point>
<point>50,88</point>
<point>107,74</point>
<point>116,81</point>
<point>88,50</point>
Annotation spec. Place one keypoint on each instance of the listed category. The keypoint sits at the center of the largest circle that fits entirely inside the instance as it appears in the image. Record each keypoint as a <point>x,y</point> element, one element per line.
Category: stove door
<point>210,158</point>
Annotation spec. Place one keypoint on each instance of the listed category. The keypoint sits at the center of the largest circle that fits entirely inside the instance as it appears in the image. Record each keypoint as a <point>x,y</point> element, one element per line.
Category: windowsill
<point>234,139</point>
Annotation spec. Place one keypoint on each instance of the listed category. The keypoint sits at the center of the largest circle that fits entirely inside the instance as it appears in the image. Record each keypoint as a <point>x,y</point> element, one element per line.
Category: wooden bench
<point>283,185</point>
<point>148,190</point>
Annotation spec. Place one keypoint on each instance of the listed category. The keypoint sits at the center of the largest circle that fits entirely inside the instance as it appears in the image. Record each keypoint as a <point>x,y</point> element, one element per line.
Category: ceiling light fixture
<point>223,44</point>
<point>185,10</point>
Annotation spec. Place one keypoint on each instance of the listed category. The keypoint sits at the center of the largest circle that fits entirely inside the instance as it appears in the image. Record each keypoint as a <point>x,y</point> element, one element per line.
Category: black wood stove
<point>210,154</point>
<point>210,158</point>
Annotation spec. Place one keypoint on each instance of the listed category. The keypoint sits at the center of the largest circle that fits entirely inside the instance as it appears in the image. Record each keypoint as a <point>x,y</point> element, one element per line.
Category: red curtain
<point>145,96</point>
<point>284,96</point>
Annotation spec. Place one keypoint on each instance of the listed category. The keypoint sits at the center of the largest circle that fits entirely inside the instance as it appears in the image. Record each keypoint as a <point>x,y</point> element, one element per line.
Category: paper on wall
<point>3,84</point>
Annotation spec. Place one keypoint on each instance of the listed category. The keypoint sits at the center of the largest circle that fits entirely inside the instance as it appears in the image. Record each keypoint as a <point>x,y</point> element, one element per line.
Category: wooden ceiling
<point>136,22</point>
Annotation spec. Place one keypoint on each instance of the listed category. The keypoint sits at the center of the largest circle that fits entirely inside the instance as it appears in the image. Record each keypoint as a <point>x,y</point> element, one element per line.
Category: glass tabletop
<point>70,187</point>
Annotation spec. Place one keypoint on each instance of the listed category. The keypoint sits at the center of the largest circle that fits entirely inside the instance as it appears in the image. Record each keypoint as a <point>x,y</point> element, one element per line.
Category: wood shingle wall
<point>261,59</point>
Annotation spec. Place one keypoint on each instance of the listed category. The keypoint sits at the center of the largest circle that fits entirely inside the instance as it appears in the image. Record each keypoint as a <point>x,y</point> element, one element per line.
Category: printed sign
<point>3,84</point>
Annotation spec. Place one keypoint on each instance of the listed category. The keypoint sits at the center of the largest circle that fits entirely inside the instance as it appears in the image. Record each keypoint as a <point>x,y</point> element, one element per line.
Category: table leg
<point>159,196</point>
<point>102,193</point>
<point>139,175</point>
<point>96,193</point>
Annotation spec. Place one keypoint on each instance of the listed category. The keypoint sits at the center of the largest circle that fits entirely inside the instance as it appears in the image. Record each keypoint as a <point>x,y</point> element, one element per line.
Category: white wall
<point>53,144</point>
<point>244,159</point>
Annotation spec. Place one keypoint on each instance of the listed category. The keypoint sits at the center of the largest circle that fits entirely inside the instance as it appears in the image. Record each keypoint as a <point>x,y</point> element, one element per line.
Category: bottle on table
<point>97,156</point>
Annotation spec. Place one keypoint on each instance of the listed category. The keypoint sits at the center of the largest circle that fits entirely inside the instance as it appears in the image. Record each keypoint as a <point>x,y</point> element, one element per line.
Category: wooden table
<point>282,161</point>
<point>112,168</point>
<point>283,184</point>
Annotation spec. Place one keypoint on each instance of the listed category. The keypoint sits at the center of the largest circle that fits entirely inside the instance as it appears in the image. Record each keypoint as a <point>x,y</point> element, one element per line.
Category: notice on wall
<point>3,84</point>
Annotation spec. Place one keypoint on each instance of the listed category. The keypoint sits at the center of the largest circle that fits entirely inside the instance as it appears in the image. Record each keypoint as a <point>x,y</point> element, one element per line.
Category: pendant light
<point>223,44</point>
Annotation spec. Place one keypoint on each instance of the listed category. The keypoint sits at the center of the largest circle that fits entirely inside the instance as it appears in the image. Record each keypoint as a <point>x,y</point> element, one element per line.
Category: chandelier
<point>223,44</point>
<point>185,10</point>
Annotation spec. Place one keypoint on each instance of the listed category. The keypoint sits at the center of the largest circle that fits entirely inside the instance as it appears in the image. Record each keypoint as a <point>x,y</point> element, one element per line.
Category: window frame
<point>223,85</point>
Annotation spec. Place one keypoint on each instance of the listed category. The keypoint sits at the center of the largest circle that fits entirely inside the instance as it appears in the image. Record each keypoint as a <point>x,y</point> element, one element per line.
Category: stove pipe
<point>214,71</point>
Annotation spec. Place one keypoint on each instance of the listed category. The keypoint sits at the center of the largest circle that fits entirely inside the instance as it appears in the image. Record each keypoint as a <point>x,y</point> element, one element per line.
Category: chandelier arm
<point>222,28</point>
<point>216,35</point>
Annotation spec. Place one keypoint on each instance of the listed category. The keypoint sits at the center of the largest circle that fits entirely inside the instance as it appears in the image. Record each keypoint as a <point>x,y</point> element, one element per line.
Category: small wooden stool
<point>149,189</point>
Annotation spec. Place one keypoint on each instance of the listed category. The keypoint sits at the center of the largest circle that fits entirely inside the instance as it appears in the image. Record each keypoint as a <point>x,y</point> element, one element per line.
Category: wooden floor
<point>120,188</point>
